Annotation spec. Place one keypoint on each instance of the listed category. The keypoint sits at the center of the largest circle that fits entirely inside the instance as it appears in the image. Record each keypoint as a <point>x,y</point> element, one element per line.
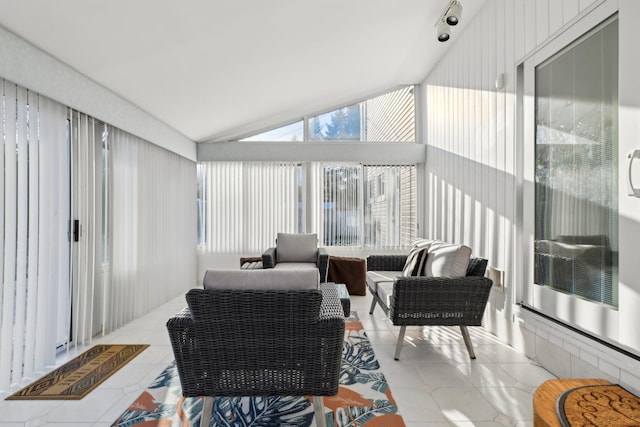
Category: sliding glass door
<point>580,115</point>
<point>576,174</point>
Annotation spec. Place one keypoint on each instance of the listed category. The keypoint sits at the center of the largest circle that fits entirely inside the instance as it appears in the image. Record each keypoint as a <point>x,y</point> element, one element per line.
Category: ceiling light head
<point>443,31</point>
<point>454,13</point>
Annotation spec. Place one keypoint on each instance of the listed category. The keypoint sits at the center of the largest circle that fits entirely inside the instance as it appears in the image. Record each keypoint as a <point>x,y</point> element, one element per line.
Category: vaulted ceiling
<point>216,69</point>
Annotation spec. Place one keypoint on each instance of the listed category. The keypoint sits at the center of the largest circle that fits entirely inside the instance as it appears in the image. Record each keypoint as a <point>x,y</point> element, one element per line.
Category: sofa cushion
<point>416,260</point>
<point>269,279</point>
<point>296,266</point>
<point>297,247</point>
<point>447,260</point>
<point>374,278</point>
<point>477,267</point>
<point>385,290</point>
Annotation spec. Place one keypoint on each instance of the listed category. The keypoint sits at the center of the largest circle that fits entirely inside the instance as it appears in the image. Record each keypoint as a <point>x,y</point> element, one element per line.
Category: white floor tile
<point>464,404</point>
<point>527,373</point>
<point>437,375</point>
<point>486,374</point>
<point>417,405</point>
<point>512,402</point>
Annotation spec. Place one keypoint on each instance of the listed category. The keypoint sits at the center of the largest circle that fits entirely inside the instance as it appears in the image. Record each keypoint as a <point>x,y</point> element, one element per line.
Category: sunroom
<point>146,143</point>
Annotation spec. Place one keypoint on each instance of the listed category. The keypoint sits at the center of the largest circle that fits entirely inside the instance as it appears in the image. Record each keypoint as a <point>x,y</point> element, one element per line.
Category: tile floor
<point>435,383</point>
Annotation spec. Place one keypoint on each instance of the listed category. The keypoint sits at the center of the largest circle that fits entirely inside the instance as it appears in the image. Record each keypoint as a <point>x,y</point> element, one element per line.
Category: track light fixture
<point>443,30</point>
<point>450,17</point>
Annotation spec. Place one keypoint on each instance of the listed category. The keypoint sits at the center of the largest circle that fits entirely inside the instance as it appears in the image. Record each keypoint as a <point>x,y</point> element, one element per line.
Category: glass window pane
<point>290,132</point>
<point>385,118</point>
<point>576,230</point>
<point>343,124</point>
<point>342,208</point>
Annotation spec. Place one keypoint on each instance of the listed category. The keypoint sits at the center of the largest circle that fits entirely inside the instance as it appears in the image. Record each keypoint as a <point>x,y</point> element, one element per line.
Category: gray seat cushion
<point>296,266</point>
<point>374,278</point>
<point>269,279</point>
<point>385,290</point>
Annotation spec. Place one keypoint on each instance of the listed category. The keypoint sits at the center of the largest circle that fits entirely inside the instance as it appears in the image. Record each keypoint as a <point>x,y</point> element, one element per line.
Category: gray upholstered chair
<point>242,335</point>
<point>295,251</point>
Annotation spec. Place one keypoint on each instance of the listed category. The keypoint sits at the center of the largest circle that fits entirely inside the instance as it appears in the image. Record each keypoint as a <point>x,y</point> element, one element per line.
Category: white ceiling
<point>215,69</point>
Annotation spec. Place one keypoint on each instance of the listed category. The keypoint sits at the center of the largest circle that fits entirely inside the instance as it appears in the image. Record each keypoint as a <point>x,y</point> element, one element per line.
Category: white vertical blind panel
<point>22,234</point>
<point>33,235</point>
<point>10,242</point>
<point>153,239</point>
<point>3,203</point>
<point>124,239</point>
<point>53,275</point>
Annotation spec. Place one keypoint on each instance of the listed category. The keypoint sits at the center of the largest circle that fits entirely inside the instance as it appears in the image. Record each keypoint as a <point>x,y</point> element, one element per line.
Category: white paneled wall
<point>471,183</point>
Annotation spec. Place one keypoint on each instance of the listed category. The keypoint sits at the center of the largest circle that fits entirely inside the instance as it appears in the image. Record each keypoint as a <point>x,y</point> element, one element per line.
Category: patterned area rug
<point>363,399</point>
<point>76,378</point>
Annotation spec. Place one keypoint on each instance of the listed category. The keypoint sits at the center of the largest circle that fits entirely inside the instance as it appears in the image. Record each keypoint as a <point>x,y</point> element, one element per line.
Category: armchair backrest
<point>296,247</point>
<point>263,295</point>
<point>260,311</point>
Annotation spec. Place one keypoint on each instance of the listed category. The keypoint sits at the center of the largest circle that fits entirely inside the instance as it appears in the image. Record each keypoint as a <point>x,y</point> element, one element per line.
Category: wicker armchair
<point>259,343</point>
<point>301,250</point>
<point>432,301</point>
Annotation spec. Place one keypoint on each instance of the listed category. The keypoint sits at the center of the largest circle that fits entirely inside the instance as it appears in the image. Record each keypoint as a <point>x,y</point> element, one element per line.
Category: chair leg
<point>403,329</point>
<point>467,340</point>
<point>207,409</point>
<point>318,408</point>
<point>373,305</point>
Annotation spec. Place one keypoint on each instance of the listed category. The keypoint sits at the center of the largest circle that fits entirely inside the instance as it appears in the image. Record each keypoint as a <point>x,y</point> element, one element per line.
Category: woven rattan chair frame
<point>433,301</point>
<point>269,260</point>
<point>259,343</point>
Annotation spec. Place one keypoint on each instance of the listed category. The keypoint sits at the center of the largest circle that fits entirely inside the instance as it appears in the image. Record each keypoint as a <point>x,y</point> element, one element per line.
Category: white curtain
<point>35,250</point>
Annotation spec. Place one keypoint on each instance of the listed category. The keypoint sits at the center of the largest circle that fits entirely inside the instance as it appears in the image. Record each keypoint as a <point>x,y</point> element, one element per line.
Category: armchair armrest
<point>439,301</point>
<point>269,258</point>
<point>386,262</point>
<point>323,264</point>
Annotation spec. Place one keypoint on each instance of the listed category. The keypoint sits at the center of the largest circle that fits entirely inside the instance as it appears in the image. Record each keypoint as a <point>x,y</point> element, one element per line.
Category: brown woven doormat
<point>598,405</point>
<point>79,376</point>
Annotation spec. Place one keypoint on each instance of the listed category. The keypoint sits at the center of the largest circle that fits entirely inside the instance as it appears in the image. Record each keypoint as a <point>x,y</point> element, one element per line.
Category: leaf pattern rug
<point>363,399</point>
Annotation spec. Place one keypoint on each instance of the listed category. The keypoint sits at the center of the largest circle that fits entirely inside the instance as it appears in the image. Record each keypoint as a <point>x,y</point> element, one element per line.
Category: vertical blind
<point>243,205</point>
<point>35,249</point>
<point>135,204</point>
<point>150,228</point>
<point>247,204</point>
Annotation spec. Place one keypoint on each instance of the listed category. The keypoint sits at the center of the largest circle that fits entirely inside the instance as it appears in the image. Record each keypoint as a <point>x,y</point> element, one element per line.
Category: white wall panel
<point>570,9</point>
<point>556,18</point>
<point>529,23</point>
<point>584,4</point>
<point>542,20</point>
